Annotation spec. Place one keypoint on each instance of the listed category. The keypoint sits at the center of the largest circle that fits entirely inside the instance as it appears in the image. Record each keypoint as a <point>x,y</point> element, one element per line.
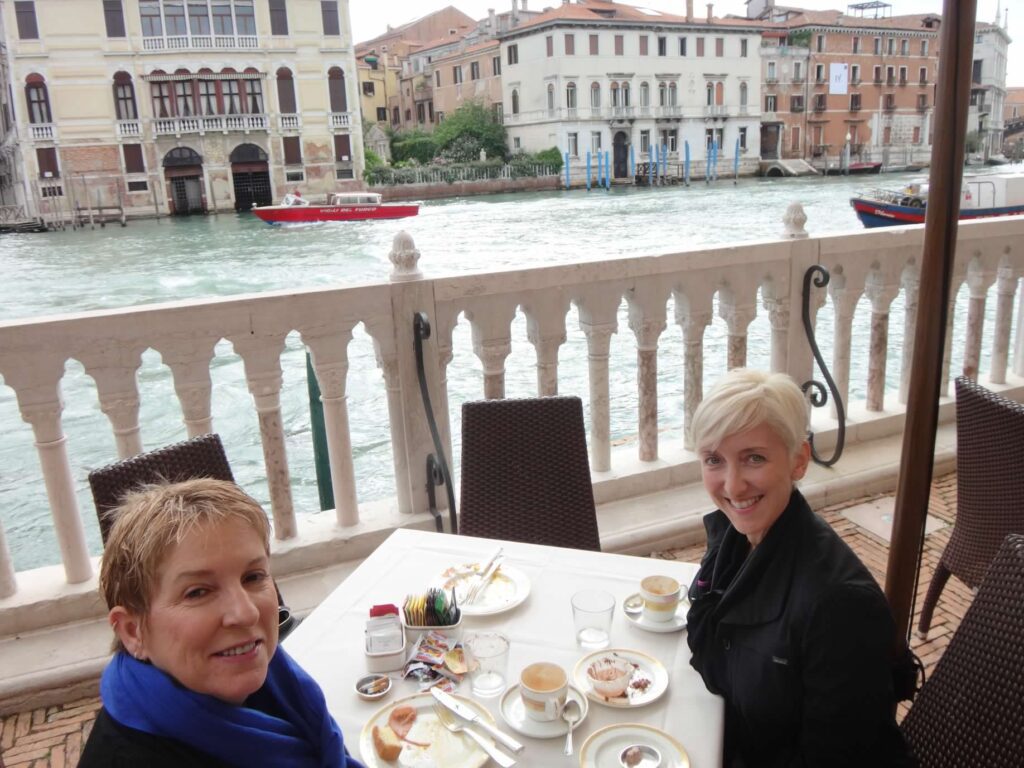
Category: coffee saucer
<point>514,713</point>
<point>674,624</point>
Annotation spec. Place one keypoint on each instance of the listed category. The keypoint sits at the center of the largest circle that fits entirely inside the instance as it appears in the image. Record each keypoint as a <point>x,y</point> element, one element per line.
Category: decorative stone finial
<point>404,256</point>
<point>794,221</point>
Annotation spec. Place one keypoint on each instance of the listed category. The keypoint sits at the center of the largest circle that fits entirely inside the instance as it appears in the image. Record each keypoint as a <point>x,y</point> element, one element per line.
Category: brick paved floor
<point>52,737</point>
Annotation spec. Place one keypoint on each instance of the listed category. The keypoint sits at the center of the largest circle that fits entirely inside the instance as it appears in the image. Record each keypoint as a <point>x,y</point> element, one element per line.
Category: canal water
<point>228,254</point>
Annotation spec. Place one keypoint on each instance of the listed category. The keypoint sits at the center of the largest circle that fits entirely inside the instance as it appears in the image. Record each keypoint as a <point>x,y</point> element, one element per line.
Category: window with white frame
<point>669,139</point>
<point>573,144</point>
<point>645,94</point>
<point>595,95</point>
<point>595,141</point>
<point>743,138</point>
<point>570,95</point>
<point>645,141</point>
<point>551,97</point>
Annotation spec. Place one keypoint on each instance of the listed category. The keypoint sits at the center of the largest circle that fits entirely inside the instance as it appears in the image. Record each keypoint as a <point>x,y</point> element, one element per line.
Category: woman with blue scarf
<point>197,677</point>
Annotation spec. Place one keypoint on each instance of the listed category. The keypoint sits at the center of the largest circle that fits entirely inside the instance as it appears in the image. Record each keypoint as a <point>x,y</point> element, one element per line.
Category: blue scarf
<point>284,724</point>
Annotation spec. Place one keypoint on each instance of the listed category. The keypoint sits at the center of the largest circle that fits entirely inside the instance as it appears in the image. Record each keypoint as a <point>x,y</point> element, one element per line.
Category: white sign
<point>838,77</point>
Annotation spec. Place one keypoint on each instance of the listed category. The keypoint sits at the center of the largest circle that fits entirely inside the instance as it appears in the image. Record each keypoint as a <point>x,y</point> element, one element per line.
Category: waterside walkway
<point>52,737</point>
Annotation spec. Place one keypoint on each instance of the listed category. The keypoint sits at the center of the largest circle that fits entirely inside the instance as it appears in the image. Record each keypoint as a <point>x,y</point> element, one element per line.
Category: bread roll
<point>386,742</point>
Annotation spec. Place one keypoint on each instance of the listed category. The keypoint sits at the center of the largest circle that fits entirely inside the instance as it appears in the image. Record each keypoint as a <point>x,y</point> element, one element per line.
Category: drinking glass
<point>592,611</point>
<point>487,662</point>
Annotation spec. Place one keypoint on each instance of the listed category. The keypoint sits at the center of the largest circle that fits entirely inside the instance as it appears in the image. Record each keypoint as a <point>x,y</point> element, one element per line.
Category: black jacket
<point>112,745</point>
<point>796,636</point>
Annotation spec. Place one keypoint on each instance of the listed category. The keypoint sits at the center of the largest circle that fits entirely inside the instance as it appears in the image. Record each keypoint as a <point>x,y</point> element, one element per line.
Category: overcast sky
<point>370,18</point>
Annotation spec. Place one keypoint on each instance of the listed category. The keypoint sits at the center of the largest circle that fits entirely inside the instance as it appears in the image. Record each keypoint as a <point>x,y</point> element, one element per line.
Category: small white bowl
<point>609,677</point>
<point>373,687</point>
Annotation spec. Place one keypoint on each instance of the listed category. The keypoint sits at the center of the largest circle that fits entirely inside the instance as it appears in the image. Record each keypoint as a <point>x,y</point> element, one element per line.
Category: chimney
<point>689,10</point>
<point>711,7</point>
<point>491,21</point>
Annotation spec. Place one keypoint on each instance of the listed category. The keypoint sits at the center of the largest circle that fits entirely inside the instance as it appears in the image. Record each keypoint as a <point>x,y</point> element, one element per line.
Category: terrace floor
<point>52,737</point>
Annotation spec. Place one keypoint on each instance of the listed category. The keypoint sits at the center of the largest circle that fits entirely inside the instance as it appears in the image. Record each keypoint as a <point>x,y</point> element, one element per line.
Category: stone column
<point>881,297</point>
<point>911,291</point>
<point>694,325</point>
<point>189,361</point>
<point>737,319</point>
<point>647,325</point>
<point>1018,346</point>
<point>393,384</point>
<point>262,360</point>
<point>977,284</point>
<point>330,362</point>
<point>844,302</point>
<point>1006,287</point>
<point>545,329</point>
<point>118,394</point>
<point>492,343</point>
<point>8,580</point>
<point>778,316</point>
<point>599,337</point>
<point>947,347</point>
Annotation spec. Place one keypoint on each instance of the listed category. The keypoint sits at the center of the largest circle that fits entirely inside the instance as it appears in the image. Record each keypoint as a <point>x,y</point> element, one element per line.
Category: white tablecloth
<point>330,642</point>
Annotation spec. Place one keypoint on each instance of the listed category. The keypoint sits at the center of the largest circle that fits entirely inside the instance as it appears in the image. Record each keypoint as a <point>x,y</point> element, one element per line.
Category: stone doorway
<point>620,146</point>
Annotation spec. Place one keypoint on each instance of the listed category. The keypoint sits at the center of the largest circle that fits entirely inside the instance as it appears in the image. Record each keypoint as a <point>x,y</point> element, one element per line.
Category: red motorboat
<point>340,206</point>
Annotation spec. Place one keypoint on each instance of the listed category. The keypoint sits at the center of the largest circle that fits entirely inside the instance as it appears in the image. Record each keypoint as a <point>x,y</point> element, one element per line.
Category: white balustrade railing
<point>736,282</point>
<point>200,42</point>
<point>129,129</point>
<point>167,126</point>
<point>42,131</point>
<point>341,119</point>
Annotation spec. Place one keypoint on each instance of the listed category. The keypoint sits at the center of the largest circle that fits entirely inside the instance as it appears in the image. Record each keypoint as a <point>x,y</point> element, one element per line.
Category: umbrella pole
<point>914,486</point>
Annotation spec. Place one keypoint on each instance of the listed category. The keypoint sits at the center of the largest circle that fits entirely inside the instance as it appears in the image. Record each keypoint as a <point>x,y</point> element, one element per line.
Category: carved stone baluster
<point>330,362</point>
<point>492,343</point>
<point>115,376</point>
<point>388,363</point>
<point>262,359</point>
<point>881,297</point>
<point>41,406</point>
<point>8,581</point>
<point>545,328</point>
<point>947,347</point>
<point>738,319</point>
<point>778,316</point>
<point>189,361</point>
<point>598,321</point>
<point>844,303</point>
<point>977,284</point>
<point>911,291</point>
<point>693,324</point>
<point>647,321</point>
<point>1006,287</point>
<point>1018,342</point>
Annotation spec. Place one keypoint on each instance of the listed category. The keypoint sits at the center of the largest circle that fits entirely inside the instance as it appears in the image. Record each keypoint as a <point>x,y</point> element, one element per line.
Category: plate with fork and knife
<point>488,587</point>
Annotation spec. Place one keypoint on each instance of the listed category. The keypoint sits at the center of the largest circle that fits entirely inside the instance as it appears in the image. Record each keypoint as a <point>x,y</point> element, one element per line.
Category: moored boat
<point>853,169</point>
<point>981,197</point>
<point>340,206</point>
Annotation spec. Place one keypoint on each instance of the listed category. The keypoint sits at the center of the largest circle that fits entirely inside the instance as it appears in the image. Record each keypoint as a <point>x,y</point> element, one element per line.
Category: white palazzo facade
<point>605,77</point>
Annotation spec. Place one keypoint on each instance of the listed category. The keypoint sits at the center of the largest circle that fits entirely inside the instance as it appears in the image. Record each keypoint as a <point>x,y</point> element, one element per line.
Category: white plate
<point>647,668</point>
<point>674,624</point>
<point>445,750</point>
<point>507,588</point>
<point>514,713</point>
<point>602,748</point>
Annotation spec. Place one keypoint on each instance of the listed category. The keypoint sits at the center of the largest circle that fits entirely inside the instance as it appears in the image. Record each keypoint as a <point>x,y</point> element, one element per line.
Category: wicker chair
<point>525,474</point>
<point>971,711</point>
<point>201,456</point>
<point>990,488</point>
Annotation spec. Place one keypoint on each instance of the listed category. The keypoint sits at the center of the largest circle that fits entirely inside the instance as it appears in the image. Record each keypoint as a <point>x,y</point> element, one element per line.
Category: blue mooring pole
<point>607,169</point>
<point>590,171</point>
<point>652,160</point>
<point>566,170</point>
<point>321,461</point>
<point>686,162</point>
<point>736,163</point>
<point>664,162</point>
<point>632,163</point>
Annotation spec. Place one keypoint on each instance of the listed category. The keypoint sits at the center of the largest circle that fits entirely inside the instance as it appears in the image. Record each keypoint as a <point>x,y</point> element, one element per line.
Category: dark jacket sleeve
<point>112,745</point>
<point>848,698</point>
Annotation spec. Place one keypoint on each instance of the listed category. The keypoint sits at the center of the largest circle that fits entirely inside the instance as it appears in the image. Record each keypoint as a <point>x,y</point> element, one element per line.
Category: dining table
<point>330,643</point>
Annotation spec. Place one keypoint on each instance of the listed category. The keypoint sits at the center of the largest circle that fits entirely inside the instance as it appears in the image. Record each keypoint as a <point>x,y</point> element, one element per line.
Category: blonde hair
<point>744,399</point>
<point>150,522</point>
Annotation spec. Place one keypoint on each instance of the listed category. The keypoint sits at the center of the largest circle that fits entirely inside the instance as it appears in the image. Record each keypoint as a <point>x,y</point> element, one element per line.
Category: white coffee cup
<point>661,597</point>
<point>543,687</point>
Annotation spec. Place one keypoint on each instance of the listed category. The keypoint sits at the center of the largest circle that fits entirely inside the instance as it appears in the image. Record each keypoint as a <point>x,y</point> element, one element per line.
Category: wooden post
<point>940,232</point>
<point>120,204</point>
<point>156,204</point>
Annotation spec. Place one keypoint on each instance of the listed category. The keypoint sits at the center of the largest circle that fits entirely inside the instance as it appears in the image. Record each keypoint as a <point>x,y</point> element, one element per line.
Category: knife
<point>467,713</point>
<point>485,579</point>
<point>485,573</point>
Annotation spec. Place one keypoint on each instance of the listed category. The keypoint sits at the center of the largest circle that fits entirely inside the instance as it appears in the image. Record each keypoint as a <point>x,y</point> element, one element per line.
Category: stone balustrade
<point>588,300</point>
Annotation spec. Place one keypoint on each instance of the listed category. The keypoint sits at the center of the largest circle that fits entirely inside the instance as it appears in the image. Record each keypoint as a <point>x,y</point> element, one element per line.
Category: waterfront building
<point>379,72</point>
<point>1013,106</point>
<point>601,77</point>
<point>988,87</point>
<point>833,80</point>
<point>163,107</point>
<point>470,74</point>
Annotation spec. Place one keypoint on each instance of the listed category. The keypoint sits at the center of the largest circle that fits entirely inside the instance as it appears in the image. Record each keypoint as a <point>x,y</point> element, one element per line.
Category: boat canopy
<point>354,198</point>
<point>294,200</point>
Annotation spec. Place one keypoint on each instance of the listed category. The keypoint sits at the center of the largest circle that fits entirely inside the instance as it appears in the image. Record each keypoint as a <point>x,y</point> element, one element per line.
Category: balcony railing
<point>819,106</point>
<point>889,106</point>
<point>200,42</point>
<point>715,110</point>
<point>129,129</point>
<point>340,120</point>
<point>42,131</point>
<point>289,122</point>
<point>622,112</point>
<point>177,126</point>
<point>796,107</point>
<point>922,106</point>
<point>674,110</point>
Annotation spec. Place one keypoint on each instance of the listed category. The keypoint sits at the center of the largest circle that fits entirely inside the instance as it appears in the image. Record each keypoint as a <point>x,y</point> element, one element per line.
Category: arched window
<point>645,95</point>
<point>719,93</point>
<point>231,92</point>
<point>710,94</point>
<point>38,99</point>
<point>184,98</point>
<point>743,94</point>
<point>595,95</point>
<point>662,94</point>
<point>616,96</point>
<point>124,97</point>
<point>551,96</point>
<point>625,94</point>
<point>253,92</point>
<point>208,95</point>
<point>336,88</point>
<point>672,95</point>
<point>286,104</point>
<point>396,116</point>
<point>515,102</point>
<point>570,95</point>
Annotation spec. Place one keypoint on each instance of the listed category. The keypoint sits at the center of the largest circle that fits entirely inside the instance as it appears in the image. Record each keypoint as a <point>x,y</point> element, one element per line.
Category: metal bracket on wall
<point>818,395</point>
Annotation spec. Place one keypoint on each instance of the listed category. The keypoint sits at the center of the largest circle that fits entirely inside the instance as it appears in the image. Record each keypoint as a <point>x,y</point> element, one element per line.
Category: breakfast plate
<point>633,607</point>
<point>507,588</point>
<point>514,713</point>
<point>648,683</point>
<point>441,748</point>
<point>604,747</point>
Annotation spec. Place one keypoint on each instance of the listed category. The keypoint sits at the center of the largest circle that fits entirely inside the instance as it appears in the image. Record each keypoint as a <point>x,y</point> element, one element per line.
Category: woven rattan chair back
<point>970,713</point>
<point>525,473</point>
<point>990,488</point>
<point>201,456</point>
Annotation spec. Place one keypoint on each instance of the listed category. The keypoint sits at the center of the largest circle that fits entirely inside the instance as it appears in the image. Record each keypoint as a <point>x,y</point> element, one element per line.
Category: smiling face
<point>212,620</point>
<point>750,477</point>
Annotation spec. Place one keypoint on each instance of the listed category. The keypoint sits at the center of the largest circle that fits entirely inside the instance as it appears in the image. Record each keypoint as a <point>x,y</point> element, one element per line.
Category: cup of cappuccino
<point>543,687</point>
<point>661,597</point>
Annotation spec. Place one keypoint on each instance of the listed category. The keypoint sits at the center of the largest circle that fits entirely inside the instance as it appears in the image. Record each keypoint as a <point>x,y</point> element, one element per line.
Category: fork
<point>450,721</point>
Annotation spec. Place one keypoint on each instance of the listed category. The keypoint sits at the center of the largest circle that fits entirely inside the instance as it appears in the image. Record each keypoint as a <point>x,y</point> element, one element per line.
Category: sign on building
<point>838,78</point>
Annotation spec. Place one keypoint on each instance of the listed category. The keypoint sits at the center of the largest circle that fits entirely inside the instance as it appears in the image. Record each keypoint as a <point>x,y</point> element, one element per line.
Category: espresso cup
<point>543,687</point>
<point>661,597</point>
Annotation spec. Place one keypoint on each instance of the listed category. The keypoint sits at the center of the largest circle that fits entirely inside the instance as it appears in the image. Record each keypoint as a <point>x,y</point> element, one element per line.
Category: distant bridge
<point>1013,126</point>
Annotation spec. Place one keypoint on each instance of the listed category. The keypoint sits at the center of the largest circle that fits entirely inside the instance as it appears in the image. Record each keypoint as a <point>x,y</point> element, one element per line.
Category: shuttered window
<point>133,162</point>
<point>25,13</point>
<point>46,157</point>
<point>113,15</point>
<point>342,147</point>
<point>292,150</point>
<point>278,18</point>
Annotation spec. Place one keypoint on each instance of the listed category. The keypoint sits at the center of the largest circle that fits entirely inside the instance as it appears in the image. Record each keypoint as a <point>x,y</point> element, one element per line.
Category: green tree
<point>373,160</point>
<point>413,145</point>
<point>476,121</point>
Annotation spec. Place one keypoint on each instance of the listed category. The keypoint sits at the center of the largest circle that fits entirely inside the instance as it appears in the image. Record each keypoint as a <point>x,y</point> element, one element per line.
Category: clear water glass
<point>487,662</point>
<point>592,611</point>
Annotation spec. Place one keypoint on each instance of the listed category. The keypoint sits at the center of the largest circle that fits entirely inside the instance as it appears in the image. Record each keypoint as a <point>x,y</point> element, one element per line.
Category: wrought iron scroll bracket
<point>437,464</point>
<point>818,394</point>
